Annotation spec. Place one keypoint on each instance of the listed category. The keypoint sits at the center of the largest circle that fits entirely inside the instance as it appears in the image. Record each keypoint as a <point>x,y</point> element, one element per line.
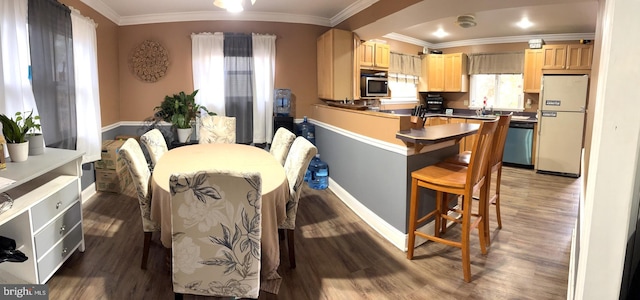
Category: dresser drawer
<point>59,253</point>
<point>49,207</point>
<point>53,232</point>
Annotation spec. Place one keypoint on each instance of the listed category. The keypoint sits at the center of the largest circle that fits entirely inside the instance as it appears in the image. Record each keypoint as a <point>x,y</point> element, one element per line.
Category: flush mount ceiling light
<point>440,33</point>
<point>466,21</point>
<point>231,5</point>
<point>524,23</point>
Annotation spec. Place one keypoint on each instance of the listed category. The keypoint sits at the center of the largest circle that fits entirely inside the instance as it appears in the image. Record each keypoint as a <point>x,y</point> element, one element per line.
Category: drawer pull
<point>64,251</point>
<point>62,229</point>
<point>58,204</point>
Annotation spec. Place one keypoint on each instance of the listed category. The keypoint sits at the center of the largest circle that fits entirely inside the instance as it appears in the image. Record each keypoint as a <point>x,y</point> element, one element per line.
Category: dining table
<point>232,157</point>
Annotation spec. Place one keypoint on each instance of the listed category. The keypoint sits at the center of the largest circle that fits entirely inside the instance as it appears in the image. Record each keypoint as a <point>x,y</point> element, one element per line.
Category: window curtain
<point>264,59</point>
<point>208,70</point>
<point>15,87</point>
<point>496,63</point>
<point>405,64</point>
<point>239,87</point>
<point>51,40</point>
<point>85,58</point>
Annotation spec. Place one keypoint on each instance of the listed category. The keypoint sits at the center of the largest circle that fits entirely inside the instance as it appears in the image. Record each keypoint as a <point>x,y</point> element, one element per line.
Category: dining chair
<point>136,163</point>
<point>296,164</point>
<point>444,179</point>
<point>154,141</point>
<point>217,129</point>
<point>216,233</point>
<point>495,163</point>
<point>281,144</point>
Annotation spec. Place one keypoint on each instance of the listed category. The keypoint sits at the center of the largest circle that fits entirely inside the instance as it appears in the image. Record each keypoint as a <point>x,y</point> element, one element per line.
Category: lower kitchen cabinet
<point>46,217</point>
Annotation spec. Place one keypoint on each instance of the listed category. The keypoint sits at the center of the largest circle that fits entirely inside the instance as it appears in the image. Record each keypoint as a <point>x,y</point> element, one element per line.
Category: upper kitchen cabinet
<point>374,55</point>
<point>533,60</point>
<point>567,57</point>
<point>444,73</point>
<point>336,72</point>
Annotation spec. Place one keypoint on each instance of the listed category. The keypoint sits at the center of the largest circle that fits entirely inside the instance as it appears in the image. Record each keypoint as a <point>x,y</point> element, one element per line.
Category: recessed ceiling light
<point>440,33</point>
<point>524,23</point>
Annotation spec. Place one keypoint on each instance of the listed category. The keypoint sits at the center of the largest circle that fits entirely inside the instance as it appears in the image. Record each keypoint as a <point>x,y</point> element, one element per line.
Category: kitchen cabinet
<point>335,64</point>
<point>374,55</point>
<point>46,217</point>
<point>431,121</point>
<point>444,73</point>
<point>567,57</point>
<point>533,60</point>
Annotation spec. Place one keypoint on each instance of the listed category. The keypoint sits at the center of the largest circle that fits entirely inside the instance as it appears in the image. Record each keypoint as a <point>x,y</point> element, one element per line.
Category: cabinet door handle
<point>58,204</point>
<point>64,251</point>
<point>62,229</point>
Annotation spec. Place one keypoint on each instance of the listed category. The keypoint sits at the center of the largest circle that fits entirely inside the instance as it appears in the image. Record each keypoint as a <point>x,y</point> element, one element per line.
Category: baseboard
<point>390,233</point>
<point>88,193</point>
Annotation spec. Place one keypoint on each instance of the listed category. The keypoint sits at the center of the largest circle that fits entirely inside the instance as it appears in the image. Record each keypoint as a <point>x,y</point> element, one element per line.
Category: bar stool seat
<point>446,178</point>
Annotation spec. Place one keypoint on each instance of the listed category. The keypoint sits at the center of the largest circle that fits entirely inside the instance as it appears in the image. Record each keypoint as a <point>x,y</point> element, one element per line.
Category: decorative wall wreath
<point>149,61</point>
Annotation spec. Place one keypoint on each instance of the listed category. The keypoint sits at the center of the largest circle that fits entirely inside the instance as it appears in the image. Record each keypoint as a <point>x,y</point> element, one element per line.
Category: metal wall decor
<point>149,61</point>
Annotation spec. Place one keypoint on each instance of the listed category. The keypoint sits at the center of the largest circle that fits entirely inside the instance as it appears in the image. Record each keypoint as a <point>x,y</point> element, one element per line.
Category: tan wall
<point>295,62</point>
<point>107,40</point>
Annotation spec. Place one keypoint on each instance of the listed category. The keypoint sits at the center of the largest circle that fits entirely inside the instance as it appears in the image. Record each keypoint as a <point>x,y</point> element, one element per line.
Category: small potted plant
<point>15,133</point>
<point>180,110</point>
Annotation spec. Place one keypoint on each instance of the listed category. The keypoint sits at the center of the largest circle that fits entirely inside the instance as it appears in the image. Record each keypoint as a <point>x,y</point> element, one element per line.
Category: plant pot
<point>36,143</point>
<point>18,152</point>
<point>184,134</point>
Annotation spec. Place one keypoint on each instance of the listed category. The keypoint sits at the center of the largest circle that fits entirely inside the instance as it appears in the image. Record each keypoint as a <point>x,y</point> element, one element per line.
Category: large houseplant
<point>179,110</point>
<point>15,133</point>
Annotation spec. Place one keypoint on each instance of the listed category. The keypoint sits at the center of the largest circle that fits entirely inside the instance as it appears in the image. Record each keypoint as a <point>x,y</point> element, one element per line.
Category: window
<point>500,91</point>
<point>402,89</point>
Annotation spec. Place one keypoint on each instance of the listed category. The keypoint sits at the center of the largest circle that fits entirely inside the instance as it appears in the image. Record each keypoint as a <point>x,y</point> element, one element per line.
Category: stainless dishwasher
<point>519,145</point>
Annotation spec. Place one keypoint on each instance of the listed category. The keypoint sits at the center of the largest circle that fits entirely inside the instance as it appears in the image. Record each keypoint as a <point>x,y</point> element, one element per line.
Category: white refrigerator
<point>561,116</point>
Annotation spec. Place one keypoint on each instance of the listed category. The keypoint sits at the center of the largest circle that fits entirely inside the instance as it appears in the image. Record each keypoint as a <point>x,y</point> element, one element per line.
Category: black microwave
<point>372,87</point>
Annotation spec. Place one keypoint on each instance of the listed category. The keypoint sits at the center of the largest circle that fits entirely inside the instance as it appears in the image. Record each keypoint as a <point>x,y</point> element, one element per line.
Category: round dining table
<point>233,157</point>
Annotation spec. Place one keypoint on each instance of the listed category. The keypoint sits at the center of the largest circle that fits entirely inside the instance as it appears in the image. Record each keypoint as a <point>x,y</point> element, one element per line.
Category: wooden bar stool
<point>495,165</point>
<point>446,178</point>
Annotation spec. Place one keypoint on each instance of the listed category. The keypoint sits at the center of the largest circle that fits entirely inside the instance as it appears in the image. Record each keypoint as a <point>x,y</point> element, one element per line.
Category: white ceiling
<point>552,19</point>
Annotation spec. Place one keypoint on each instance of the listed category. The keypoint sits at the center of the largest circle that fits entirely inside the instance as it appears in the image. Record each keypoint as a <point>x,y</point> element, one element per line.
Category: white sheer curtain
<point>207,57</point>
<point>85,59</point>
<point>264,63</point>
<point>15,88</point>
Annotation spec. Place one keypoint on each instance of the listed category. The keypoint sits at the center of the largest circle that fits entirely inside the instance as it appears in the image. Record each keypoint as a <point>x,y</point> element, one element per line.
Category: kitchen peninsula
<point>370,168</point>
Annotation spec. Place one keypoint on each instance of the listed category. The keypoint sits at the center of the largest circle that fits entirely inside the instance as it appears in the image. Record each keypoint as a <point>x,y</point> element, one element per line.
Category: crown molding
<point>351,10</point>
<point>103,9</point>
<point>494,40</point>
<point>223,16</point>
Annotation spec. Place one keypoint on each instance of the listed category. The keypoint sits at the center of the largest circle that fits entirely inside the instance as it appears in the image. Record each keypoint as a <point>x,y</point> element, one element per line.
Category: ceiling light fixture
<point>524,23</point>
<point>440,33</point>
<point>232,6</point>
<point>466,21</point>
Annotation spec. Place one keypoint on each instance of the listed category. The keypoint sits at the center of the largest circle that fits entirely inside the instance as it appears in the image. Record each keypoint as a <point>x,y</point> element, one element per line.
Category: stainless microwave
<point>371,87</point>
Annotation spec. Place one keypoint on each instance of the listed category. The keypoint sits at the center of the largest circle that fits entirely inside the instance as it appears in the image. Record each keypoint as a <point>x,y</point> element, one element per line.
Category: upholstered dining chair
<point>495,163</point>
<point>216,233</point>
<point>154,141</point>
<point>136,163</point>
<point>445,179</point>
<point>217,129</point>
<point>281,144</point>
<point>296,164</point>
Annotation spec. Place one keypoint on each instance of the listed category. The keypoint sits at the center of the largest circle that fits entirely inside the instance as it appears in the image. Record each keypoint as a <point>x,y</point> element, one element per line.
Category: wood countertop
<point>418,138</point>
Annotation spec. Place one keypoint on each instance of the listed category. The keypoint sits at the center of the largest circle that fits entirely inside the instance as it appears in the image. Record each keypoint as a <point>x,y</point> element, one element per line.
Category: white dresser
<point>46,217</point>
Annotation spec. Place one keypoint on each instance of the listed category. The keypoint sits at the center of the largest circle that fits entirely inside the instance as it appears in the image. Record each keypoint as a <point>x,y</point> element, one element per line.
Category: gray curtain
<point>238,68</point>
<point>496,63</point>
<point>53,82</point>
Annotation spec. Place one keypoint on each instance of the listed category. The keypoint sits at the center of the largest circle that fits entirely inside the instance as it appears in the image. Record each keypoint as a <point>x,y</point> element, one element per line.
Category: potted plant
<point>180,110</point>
<point>15,133</point>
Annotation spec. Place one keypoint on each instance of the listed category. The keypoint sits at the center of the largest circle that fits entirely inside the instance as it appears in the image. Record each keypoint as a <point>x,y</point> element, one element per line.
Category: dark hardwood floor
<point>340,257</point>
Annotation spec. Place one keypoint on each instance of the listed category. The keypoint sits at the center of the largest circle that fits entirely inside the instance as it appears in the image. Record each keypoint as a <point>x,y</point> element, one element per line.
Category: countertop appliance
<point>518,148</point>
<point>435,104</point>
<point>561,124</point>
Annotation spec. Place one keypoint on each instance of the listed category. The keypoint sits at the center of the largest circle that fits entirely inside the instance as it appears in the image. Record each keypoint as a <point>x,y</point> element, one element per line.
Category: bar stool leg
<point>483,226</point>
<point>464,245</point>
<point>438,217</point>
<point>413,210</point>
<point>498,179</point>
